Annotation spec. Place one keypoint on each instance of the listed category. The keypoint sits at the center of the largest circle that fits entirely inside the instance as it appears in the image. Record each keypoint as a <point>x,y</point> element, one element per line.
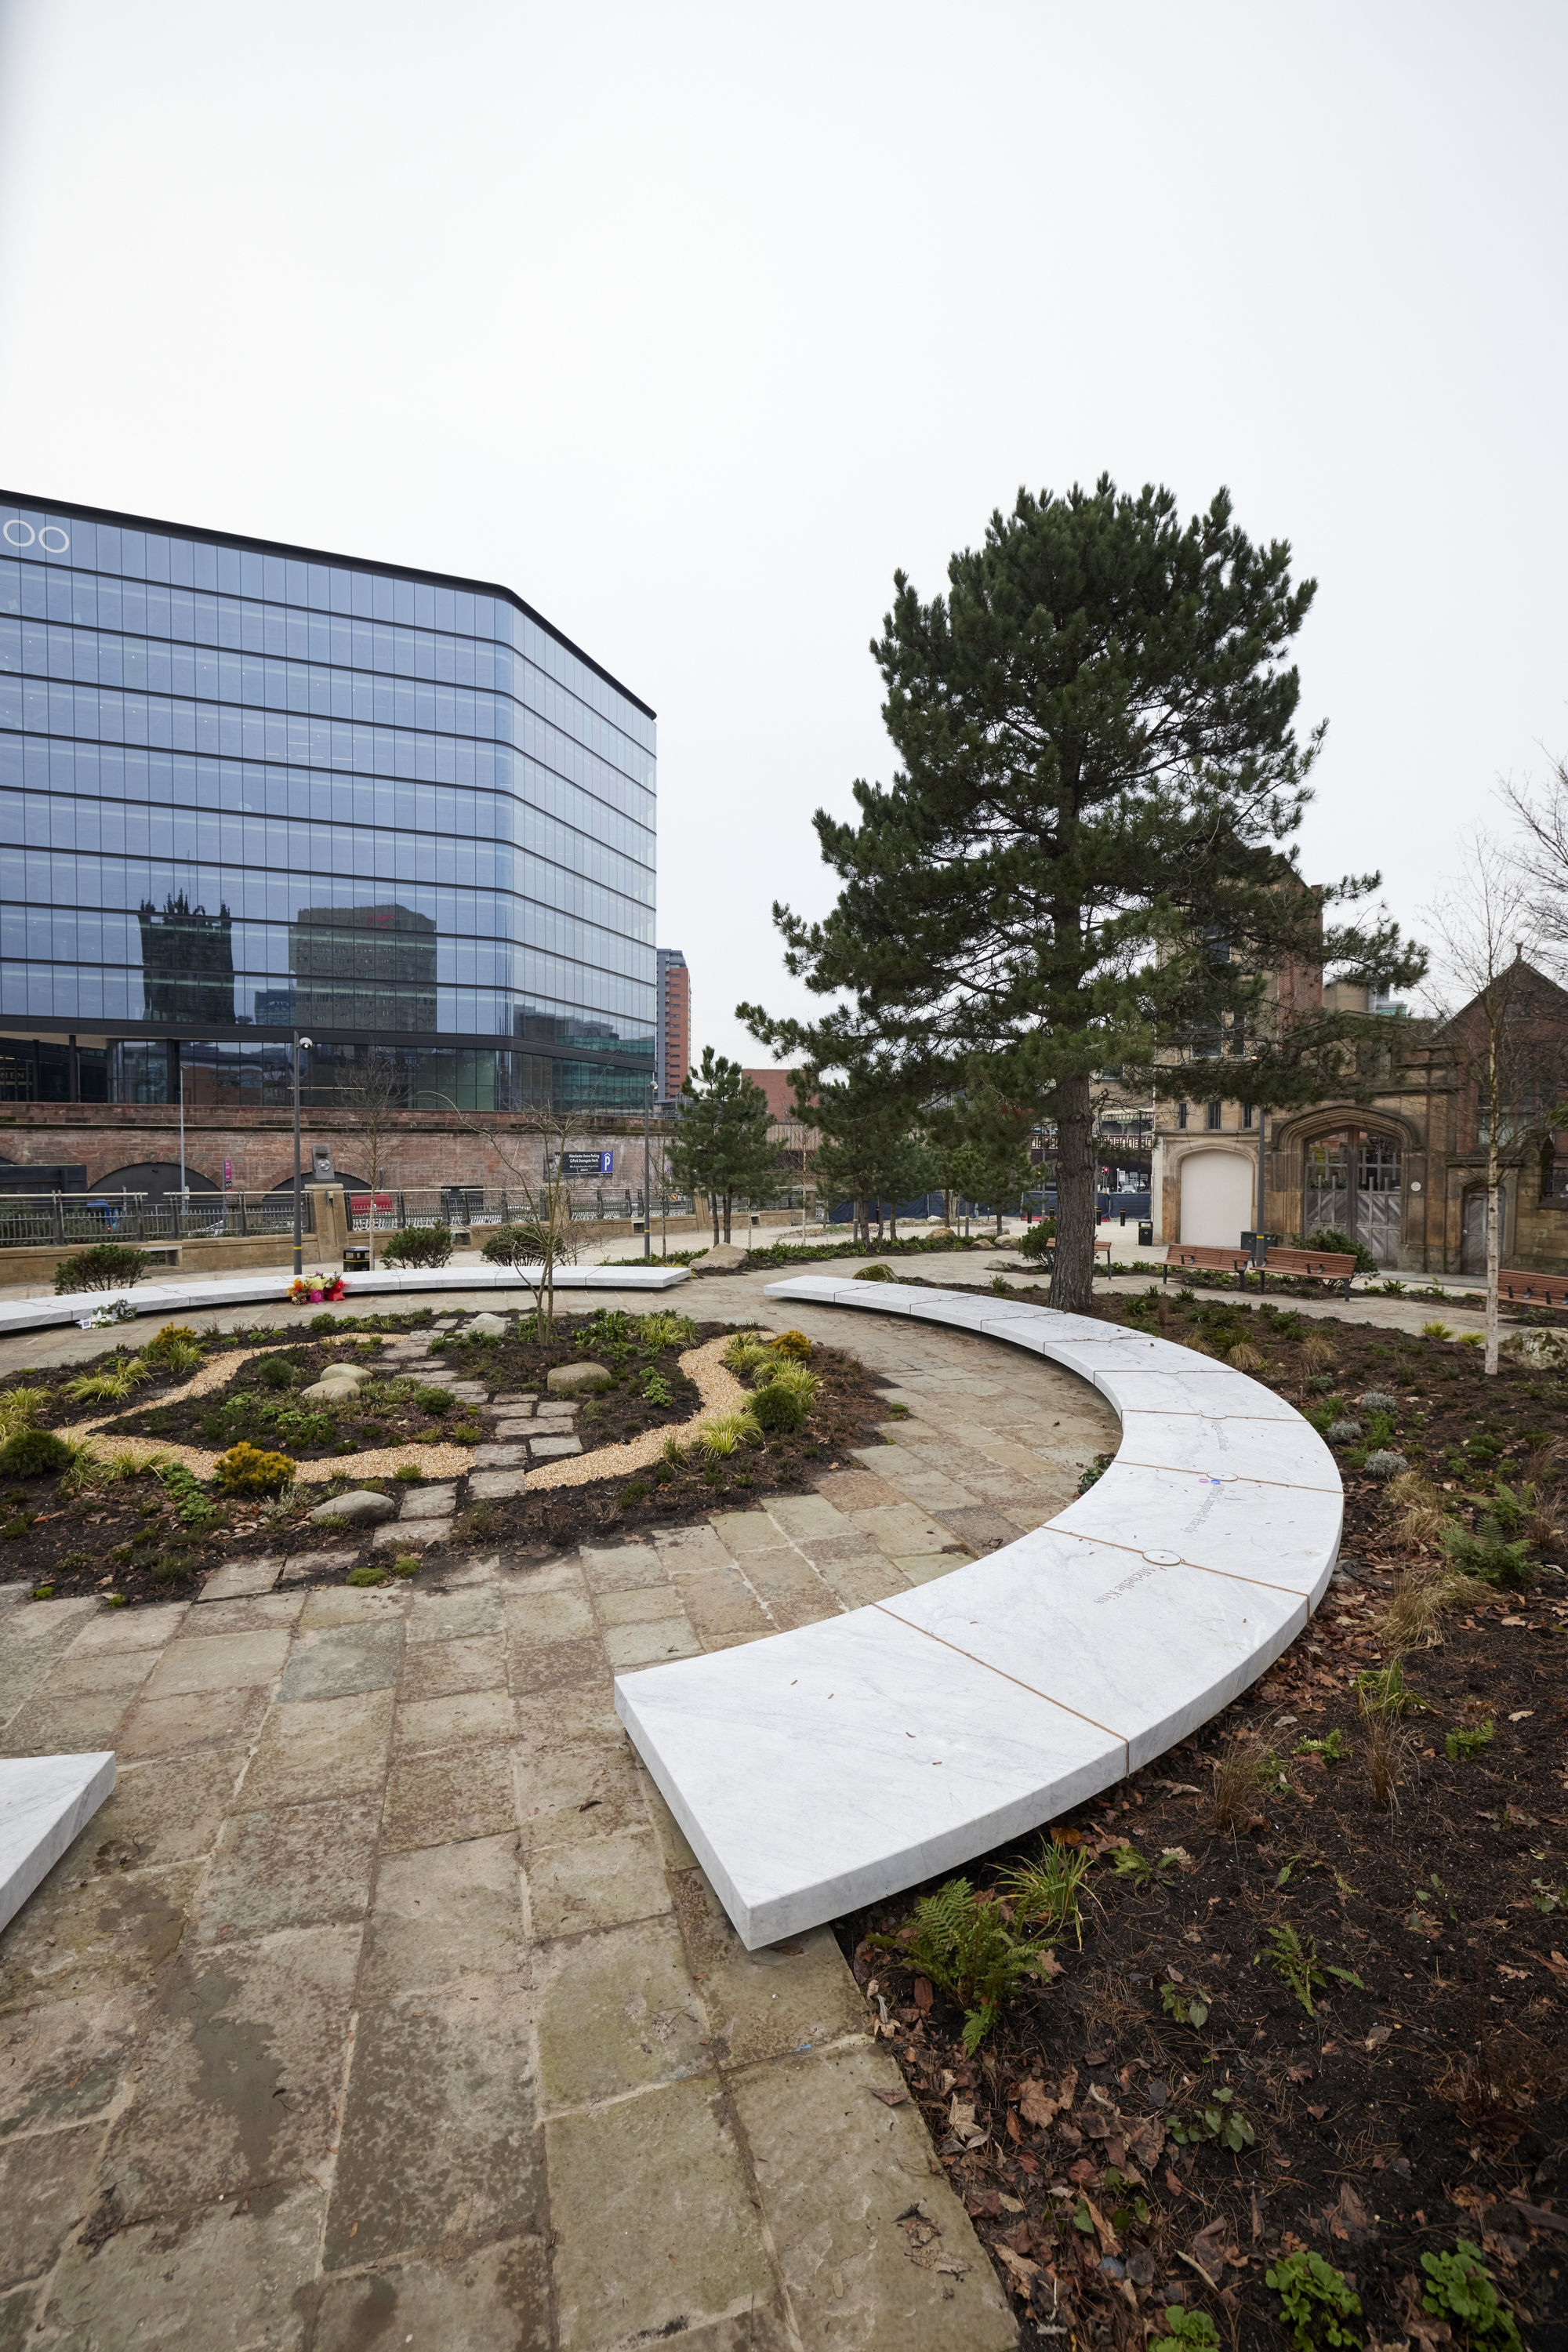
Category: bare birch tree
<point>1486,927</point>
<point>532,1149</point>
<point>371,1091</point>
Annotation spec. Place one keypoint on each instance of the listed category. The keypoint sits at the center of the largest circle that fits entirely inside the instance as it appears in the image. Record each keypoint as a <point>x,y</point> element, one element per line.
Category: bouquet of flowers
<point>316,1289</point>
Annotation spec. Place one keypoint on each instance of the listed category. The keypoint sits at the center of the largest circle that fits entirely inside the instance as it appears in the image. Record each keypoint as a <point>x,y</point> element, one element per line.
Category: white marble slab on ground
<point>822,1769</point>
<point>1149,1651</point>
<point>45,1801</point>
<point>259,1290</point>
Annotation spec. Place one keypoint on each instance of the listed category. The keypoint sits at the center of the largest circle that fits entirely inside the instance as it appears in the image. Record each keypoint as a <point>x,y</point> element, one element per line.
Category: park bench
<point>1534,1289</point>
<point>1318,1265</point>
<point>1191,1255</point>
<point>833,1765</point>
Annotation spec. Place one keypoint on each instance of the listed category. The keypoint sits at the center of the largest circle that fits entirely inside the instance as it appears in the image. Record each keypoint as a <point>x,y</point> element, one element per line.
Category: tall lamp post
<point>646,1177</point>
<point>301,1045</point>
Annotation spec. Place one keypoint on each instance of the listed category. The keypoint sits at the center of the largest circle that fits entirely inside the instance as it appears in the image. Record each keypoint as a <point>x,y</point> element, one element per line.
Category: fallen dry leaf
<point>891,2098</point>
<point>1109,2244</point>
<point>1034,2106</point>
<point>1019,2265</point>
<point>1349,2219</point>
<point>1378,2037</point>
<point>923,1994</point>
<point>1559,1966</point>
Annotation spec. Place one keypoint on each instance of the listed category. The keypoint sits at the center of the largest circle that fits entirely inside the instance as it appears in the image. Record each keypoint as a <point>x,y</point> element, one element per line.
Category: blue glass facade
<point>246,789</point>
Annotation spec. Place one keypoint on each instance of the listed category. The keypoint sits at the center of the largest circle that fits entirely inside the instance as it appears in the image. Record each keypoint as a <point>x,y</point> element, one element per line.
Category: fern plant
<point>962,1940</point>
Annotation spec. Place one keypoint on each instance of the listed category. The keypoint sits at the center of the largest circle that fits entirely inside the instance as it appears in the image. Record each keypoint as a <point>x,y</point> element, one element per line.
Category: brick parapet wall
<point>420,1149</point>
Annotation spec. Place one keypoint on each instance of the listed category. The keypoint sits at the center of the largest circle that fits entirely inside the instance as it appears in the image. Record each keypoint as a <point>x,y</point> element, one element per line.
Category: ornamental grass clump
<point>20,1408</point>
<point>725,1432</point>
<point>246,1469</point>
<point>116,1380</point>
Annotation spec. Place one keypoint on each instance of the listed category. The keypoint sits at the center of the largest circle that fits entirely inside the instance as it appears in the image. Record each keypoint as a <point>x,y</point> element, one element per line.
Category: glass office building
<point>249,790</point>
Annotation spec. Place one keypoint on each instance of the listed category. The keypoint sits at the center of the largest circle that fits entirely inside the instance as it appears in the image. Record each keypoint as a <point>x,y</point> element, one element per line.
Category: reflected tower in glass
<point>247,789</point>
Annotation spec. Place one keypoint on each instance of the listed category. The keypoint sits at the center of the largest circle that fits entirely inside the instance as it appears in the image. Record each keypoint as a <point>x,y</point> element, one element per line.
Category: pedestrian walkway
<point>383,2003</point>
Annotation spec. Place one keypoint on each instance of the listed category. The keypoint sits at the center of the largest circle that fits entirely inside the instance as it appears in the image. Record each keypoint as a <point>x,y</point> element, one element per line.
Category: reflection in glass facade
<point>247,789</point>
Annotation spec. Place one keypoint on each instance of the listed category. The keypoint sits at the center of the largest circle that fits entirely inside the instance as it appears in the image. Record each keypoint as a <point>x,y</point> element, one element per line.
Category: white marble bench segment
<point>822,1769</point>
<point>45,1802</point>
<point>259,1290</point>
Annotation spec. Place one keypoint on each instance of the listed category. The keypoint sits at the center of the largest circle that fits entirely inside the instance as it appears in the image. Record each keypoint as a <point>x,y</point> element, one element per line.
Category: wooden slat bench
<point>1318,1265</point>
<point>1534,1289</point>
<point>1211,1261</point>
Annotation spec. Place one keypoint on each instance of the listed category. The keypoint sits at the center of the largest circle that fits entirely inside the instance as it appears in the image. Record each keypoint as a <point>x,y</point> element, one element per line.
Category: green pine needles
<point>1083,857</point>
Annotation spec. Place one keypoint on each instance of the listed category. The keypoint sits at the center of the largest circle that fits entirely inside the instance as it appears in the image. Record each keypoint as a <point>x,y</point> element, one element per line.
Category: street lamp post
<point>301,1045</point>
<point>646,1177</point>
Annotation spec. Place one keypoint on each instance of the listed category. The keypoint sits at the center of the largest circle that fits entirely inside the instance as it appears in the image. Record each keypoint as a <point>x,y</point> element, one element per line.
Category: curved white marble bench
<point>820,1769</point>
<point>261,1289</point>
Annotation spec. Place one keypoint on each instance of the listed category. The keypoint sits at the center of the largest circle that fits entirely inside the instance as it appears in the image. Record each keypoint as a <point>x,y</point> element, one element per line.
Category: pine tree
<point>1099,775</point>
<point>720,1145</point>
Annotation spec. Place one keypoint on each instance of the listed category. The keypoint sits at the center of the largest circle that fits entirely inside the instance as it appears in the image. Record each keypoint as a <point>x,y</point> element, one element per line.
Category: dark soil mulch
<point>1427,2104</point>
<point>140,1540</point>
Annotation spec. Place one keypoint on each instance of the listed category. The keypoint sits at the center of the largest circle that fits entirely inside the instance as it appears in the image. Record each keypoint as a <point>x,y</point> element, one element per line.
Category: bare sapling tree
<point>532,1147</point>
<point>1486,928</point>
<point>371,1091</point>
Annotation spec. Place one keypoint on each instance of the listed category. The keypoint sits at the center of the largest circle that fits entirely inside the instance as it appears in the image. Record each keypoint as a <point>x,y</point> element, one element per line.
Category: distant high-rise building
<point>673,1041</point>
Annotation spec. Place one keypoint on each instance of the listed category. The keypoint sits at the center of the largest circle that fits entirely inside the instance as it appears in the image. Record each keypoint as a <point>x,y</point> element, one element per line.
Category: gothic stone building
<point>1401,1165</point>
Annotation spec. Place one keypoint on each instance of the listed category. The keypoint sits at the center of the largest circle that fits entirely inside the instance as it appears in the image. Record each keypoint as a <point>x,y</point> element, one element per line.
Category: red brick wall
<point>420,1149</point>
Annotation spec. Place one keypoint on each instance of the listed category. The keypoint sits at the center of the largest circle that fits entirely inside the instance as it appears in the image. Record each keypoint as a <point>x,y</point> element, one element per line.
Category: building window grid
<point>538,660</point>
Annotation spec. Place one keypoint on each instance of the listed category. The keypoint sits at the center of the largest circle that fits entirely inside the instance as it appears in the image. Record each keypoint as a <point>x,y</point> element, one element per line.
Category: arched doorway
<point>1473,1229</point>
<point>1216,1198</point>
<point>1352,1183</point>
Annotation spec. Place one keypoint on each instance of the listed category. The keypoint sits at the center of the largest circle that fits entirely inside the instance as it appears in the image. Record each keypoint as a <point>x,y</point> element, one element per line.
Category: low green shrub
<point>33,1453</point>
<point>778,1411</point>
<point>435,1402</point>
<point>418,1245</point>
<point>1315,2302</point>
<point>1459,2289</point>
<point>1039,1241</point>
<point>244,1469</point>
<point>524,1244</point>
<point>107,1265</point>
<point>1186,2331</point>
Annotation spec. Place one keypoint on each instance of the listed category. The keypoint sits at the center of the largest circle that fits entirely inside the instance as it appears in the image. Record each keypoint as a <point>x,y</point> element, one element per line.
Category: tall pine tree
<point>1082,861</point>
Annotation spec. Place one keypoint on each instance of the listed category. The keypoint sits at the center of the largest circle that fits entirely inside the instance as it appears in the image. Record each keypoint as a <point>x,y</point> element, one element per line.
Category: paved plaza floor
<point>383,2003</point>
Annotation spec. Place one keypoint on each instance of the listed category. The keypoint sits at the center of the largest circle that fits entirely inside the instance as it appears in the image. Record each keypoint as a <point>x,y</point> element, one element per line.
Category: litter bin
<point>1146,1236</point>
<point>357,1257</point>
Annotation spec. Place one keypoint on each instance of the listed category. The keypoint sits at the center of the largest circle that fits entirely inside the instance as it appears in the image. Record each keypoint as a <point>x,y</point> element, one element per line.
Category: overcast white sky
<point>689,323</point>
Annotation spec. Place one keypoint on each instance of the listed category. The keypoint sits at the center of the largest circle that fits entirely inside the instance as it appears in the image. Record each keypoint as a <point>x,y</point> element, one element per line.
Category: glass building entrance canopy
<point>245,787</point>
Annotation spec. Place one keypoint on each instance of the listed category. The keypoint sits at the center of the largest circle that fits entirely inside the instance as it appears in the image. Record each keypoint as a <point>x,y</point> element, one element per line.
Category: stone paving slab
<point>384,2001</point>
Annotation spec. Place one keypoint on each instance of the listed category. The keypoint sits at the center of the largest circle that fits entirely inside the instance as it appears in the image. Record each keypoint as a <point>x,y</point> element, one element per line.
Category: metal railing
<point>61,1220</point>
<point>480,1204</point>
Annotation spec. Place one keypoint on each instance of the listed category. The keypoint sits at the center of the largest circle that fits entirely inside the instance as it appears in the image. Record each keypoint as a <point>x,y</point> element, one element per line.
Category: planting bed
<point>142,1537</point>
<point>1158,2120</point>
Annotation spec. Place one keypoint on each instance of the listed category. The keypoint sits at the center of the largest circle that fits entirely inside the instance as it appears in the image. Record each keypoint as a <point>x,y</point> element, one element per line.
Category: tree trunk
<point>893,1222</point>
<point>1494,1245</point>
<point>1494,1075</point>
<point>1072,1276</point>
<point>729,1206</point>
<point>714,1204</point>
